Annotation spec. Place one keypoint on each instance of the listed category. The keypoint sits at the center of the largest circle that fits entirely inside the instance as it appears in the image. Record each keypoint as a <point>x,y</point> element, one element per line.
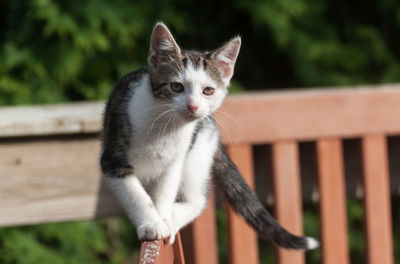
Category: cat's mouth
<point>189,117</point>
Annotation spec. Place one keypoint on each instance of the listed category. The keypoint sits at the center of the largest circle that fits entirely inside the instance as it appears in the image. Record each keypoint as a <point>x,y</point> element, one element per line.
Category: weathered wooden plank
<point>156,252</point>
<point>332,201</point>
<point>379,244</point>
<point>299,115</point>
<point>200,241</point>
<point>52,180</point>
<point>287,193</point>
<point>243,244</point>
<point>302,115</point>
<point>150,251</point>
<point>51,119</point>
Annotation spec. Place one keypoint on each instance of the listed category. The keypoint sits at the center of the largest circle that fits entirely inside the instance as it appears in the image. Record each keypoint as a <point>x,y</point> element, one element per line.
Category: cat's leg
<point>164,191</point>
<point>185,212</point>
<point>196,176</point>
<point>139,207</point>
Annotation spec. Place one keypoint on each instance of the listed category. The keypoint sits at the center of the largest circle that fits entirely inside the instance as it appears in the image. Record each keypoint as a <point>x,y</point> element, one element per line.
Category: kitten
<point>161,145</point>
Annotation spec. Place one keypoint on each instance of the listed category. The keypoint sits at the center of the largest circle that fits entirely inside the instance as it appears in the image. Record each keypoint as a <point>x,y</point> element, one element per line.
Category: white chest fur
<point>158,140</point>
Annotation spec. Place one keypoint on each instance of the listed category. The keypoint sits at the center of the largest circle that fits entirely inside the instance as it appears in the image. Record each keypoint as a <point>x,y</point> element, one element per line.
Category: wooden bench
<point>39,184</point>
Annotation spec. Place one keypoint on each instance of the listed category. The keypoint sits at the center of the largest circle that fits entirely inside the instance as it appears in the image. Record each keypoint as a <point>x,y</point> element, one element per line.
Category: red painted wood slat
<point>332,201</point>
<point>243,246</point>
<point>287,194</point>
<point>311,114</point>
<point>199,238</point>
<point>379,245</point>
<point>177,248</point>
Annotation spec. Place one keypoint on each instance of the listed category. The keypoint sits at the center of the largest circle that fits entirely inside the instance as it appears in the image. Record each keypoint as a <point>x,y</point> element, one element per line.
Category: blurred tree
<point>333,42</point>
<point>71,50</point>
<point>52,51</point>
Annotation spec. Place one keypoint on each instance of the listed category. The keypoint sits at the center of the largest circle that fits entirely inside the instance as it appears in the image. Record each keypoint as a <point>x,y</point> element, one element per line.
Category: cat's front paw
<point>170,240</point>
<point>153,231</point>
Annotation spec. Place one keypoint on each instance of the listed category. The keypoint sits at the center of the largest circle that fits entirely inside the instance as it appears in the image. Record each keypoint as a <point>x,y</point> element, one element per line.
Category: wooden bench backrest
<point>45,150</point>
<point>326,117</point>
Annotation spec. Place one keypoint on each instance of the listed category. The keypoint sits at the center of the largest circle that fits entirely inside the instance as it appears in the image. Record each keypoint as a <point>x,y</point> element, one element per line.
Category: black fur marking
<point>197,129</point>
<point>196,62</point>
<point>204,64</point>
<point>160,91</point>
<point>158,86</point>
<point>184,62</point>
<point>116,128</point>
<point>195,57</point>
<point>207,55</point>
<point>246,203</point>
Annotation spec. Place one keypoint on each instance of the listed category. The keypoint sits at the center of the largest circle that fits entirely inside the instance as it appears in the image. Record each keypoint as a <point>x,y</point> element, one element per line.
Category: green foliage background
<point>55,51</point>
<point>52,51</point>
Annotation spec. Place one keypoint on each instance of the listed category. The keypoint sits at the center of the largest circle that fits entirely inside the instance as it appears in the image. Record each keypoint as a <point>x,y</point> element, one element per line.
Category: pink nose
<point>192,108</point>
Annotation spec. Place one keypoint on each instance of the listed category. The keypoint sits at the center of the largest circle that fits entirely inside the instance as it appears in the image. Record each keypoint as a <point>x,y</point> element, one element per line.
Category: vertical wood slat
<point>243,244</point>
<point>332,201</point>
<point>379,245</point>
<point>177,248</point>
<point>287,193</point>
<point>200,239</point>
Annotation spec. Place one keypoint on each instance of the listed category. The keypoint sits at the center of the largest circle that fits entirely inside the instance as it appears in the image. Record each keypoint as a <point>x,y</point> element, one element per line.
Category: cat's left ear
<point>163,46</point>
<point>225,57</point>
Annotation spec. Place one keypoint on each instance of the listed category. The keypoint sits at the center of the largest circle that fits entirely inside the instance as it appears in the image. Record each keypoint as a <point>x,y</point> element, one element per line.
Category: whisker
<point>226,119</point>
<point>166,126</point>
<point>228,115</point>
<point>162,128</point>
<point>174,124</point>
<point>155,120</point>
<point>227,123</point>
<point>225,129</point>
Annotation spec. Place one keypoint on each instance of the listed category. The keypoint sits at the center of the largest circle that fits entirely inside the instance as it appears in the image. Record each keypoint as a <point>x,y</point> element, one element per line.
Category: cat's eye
<point>208,91</point>
<point>177,87</point>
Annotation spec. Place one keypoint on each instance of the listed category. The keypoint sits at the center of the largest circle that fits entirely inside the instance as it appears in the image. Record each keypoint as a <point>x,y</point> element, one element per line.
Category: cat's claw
<point>153,231</point>
<point>170,240</point>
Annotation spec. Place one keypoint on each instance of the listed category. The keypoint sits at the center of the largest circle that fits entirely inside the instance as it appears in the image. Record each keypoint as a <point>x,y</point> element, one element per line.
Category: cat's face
<point>193,83</point>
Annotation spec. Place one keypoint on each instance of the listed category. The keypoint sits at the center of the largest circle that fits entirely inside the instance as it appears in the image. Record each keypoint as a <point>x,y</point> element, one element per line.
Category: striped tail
<point>244,202</point>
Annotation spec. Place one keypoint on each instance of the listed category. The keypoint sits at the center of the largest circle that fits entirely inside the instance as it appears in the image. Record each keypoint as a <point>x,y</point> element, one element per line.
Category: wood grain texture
<point>303,115</point>
<point>379,244</point>
<point>332,201</point>
<point>179,257</point>
<point>299,115</point>
<point>51,119</point>
<point>243,244</point>
<point>287,194</point>
<point>52,180</point>
<point>156,252</point>
<point>200,237</point>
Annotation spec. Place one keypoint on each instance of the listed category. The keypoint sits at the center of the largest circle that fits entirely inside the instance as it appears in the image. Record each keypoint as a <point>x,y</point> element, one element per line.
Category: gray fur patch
<point>165,74</point>
<point>116,127</point>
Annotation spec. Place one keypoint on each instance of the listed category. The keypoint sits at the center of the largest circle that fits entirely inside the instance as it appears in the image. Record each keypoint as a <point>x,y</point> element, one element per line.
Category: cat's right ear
<point>163,46</point>
<point>226,56</point>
